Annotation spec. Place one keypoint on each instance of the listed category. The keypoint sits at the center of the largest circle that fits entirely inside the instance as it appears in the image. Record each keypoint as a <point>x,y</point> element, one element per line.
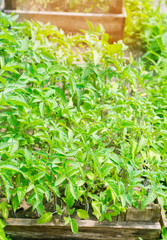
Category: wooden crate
<point>71,22</point>
<point>144,224</point>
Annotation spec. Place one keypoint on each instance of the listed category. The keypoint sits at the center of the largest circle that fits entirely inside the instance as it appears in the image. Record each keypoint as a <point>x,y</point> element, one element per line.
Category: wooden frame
<point>163,219</point>
<point>92,230</point>
<point>144,224</point>
<point>72,22</point>
<point>150,213</point>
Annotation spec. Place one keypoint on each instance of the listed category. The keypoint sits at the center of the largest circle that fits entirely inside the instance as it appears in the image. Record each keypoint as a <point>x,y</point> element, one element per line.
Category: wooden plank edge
<point>88,229</point>
<point>163,220</point>
<point>52,13</point>
<point>84,223</point>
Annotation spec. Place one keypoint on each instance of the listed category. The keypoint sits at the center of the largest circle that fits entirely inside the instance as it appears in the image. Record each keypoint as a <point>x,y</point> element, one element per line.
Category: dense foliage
<point>155,40</point>
<point>78,123</point>
<point>138,13</point>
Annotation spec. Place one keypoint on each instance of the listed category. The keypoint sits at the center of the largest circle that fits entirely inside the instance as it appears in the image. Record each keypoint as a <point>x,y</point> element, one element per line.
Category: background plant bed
<point>144,224</point>
<point>113,22</point>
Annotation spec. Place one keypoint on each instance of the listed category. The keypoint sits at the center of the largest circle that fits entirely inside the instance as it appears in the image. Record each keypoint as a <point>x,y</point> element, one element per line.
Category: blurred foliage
<point>138,12</point>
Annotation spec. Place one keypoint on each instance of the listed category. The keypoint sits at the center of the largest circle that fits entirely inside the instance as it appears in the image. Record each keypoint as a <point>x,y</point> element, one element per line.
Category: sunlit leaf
<point>45,218</point>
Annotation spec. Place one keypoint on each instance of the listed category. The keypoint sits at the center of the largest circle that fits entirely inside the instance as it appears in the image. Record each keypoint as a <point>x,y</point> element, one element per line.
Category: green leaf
<point>47,56</point>
<point>28,156</point>
<point>5,212</point>
<point>59,210</point>
<point>45,218</point>
<point>90,175</point>
<point>25,44</point>
<point>40,209</point>
<point>7,37</point>
<point>2,235</point>
<point>13,121</point>
<point>42,109</point>
<point>69,200</point>
<point>3,81</point>
<point>96,209</point>
<point>74,226</point>
<point>97,57</point>
<point>61,94</point>
<point>15,203</point>
<point>38,176</point>
<point>134,147</point>
<point>90,25</point>
<point>14,147</point>
<point>21,191</point>
<point>72,85</point>
<point>114,48</point>
<point>108,217</point>
<point>106,170</point>
<point>17,101</point>
<point>164,38</point>
<point>73,189</point>
<point>142,144</point>
<point>57,69</point>
<point>2,224</point>
<point>82,214</point>
<point>67,220</point>
<point>121,188</point>
<point>9,167</point>
<point>60,179</point>
<point>113,186</point>
<point>70,211</point>
<point>147,200</point>
<point>4,145</point>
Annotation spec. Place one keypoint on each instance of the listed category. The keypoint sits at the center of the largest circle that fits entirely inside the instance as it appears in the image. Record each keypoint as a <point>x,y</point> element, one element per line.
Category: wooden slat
<point>116,6</point>
<point>10,4</point>
<point>163,219</point>
<point>150,213</point>
<point>73,22</point>
<point>88,229</point>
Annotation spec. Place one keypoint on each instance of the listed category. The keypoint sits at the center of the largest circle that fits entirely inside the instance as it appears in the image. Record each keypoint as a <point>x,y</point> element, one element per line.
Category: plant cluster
<point>2,232</point>
<point>138,12</point>
<point>78,124</point>
<point>155,41</point>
